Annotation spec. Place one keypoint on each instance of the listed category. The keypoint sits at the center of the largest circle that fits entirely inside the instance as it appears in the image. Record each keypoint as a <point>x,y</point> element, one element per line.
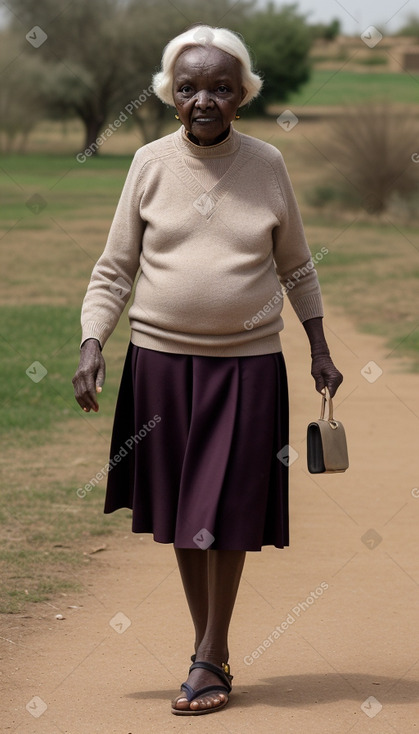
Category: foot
<point>197,679</point>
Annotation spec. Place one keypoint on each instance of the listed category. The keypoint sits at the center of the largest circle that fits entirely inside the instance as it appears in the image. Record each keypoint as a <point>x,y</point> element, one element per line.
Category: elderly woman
<point>208,217</point>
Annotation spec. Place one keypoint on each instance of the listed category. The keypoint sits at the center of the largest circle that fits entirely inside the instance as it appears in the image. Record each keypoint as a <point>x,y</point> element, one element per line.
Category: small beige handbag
<point>327,451</point>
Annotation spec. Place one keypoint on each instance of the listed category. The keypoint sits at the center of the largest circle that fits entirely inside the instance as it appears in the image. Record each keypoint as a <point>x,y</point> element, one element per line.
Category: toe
<point>207,702</point>
<point>198,703</point>
<point>180,703</point>
<point>217,699</point>
<point>214,700</point>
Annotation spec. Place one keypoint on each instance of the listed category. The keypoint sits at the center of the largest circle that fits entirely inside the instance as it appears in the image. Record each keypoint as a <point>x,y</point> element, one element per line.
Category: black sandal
<point>191,694</point>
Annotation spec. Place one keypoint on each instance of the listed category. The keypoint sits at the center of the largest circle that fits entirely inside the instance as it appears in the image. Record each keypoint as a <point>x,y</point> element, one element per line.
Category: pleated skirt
<point>194,449</point>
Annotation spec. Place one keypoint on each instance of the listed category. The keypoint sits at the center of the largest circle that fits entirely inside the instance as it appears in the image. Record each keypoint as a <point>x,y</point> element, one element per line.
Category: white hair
<point>204,35</point>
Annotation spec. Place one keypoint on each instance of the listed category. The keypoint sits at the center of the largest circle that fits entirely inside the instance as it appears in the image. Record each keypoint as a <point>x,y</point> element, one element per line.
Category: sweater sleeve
<point>292,255</point>
<point>114,273</point>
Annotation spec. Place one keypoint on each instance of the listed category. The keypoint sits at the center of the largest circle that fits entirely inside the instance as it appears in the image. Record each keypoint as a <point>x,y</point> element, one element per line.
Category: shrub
<point>335,194</point>
<point>280,41</point>
<point>374,152</point>
<point>372,61</point>
<point>327,32</point>
<point>411,27</point>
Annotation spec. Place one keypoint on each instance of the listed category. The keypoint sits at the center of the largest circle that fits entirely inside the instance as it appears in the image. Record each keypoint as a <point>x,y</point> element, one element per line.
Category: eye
<point>185,89</point>
<point>222,89</point>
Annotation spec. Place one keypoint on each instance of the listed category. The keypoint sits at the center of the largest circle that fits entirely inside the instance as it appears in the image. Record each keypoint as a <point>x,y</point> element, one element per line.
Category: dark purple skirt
<point>194,449</point>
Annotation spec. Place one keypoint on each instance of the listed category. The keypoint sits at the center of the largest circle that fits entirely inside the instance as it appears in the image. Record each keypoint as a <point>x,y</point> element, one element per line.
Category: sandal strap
<point>223,673</point>
<point>225,667</point>
<point>192,693</point>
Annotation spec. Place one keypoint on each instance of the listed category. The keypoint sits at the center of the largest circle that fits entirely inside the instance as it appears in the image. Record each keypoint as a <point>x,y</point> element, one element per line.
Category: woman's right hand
<point>90,375</point>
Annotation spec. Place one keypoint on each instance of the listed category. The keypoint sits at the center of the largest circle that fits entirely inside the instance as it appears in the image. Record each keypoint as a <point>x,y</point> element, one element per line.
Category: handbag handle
<point>325,398</point>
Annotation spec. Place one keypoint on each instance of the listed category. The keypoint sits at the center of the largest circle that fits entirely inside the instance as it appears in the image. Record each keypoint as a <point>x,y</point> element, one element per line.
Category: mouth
<point>204,120</point>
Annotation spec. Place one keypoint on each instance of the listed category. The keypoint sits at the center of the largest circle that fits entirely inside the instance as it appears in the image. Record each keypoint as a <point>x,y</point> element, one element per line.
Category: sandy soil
<point>344,595</point>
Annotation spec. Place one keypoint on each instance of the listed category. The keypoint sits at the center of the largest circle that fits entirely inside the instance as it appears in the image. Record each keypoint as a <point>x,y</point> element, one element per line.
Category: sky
<point>356,15</point>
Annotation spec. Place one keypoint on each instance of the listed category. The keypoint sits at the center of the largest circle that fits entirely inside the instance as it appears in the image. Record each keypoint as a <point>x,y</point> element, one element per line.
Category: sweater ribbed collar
<point>227,146</point>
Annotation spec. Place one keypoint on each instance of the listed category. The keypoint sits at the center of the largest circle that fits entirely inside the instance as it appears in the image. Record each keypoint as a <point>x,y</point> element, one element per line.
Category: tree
<point>411,27</point>
<point>370,147</point>
<point>22,103</point>
<point>221,13</point>
<point>87,45</point>
<point>326,32</point>
<point>102,53</point>
<point>160,21</point>
<point>280,41</point>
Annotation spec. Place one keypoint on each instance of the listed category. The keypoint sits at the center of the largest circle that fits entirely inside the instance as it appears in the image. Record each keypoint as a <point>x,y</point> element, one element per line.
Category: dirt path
<point>342,599</point>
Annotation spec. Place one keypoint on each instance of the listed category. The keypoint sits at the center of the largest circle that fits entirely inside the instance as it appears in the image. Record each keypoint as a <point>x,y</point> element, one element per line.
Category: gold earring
<point>237,117</point>
<point>177,117</point>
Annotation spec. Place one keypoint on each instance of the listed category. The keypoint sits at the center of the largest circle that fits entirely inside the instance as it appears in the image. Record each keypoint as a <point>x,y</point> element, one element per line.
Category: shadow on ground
<point>307,689</point>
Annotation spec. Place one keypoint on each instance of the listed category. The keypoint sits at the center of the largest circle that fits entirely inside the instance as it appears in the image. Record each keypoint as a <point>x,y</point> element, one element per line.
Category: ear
<point>244,92</point>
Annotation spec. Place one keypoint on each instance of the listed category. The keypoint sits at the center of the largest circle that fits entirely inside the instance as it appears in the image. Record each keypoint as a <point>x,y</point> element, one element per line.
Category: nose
<point>203,99</point>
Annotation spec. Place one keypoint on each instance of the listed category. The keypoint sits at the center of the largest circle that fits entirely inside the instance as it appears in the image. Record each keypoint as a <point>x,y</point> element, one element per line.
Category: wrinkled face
<point>207,90</point>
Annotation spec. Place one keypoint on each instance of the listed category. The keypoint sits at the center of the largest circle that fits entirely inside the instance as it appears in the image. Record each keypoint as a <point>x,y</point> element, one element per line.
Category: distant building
<point>392,53</point>
<point>410,58</point>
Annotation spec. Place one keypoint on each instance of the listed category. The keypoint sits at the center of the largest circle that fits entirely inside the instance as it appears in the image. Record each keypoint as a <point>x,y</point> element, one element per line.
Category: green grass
<point>48,167</point>
<point>61,182</point>
<point>336,87</point>
<point>49,335</point>
<point>46,529</point>
<point>409,339</point>
<point>404,340</point>
<point>371,272</point>
<point>45,525</point>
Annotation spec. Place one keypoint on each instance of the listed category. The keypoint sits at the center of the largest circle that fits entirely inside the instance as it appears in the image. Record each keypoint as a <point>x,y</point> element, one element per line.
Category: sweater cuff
<point>95,330</point>
<point>307,307</point>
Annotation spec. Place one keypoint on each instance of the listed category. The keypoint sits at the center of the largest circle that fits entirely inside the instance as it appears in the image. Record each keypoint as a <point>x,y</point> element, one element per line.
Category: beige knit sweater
<point>206,226</point>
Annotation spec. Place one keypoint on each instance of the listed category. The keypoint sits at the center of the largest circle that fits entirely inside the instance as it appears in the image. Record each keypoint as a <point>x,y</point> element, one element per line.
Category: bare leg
<point>193,567</point>
<point>224,569</point>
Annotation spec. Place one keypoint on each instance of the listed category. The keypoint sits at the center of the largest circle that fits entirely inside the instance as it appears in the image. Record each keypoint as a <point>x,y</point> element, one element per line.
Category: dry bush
<point>374,151</point>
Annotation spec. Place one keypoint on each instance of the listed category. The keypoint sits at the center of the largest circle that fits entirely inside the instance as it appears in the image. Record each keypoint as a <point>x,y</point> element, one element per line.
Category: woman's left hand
<point>325,373</point>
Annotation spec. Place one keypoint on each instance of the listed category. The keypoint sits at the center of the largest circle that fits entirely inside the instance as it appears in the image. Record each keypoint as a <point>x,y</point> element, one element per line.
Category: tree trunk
<point>92,127</point>
<point>150,118</point>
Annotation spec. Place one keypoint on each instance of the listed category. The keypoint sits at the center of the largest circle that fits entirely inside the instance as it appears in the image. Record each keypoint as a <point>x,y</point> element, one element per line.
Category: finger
<point>100,378</point>
<point>334,383</point>
<point>87,403</point>
<point>332,389</point>
<point>320,383</point>
<point>85,393</point>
